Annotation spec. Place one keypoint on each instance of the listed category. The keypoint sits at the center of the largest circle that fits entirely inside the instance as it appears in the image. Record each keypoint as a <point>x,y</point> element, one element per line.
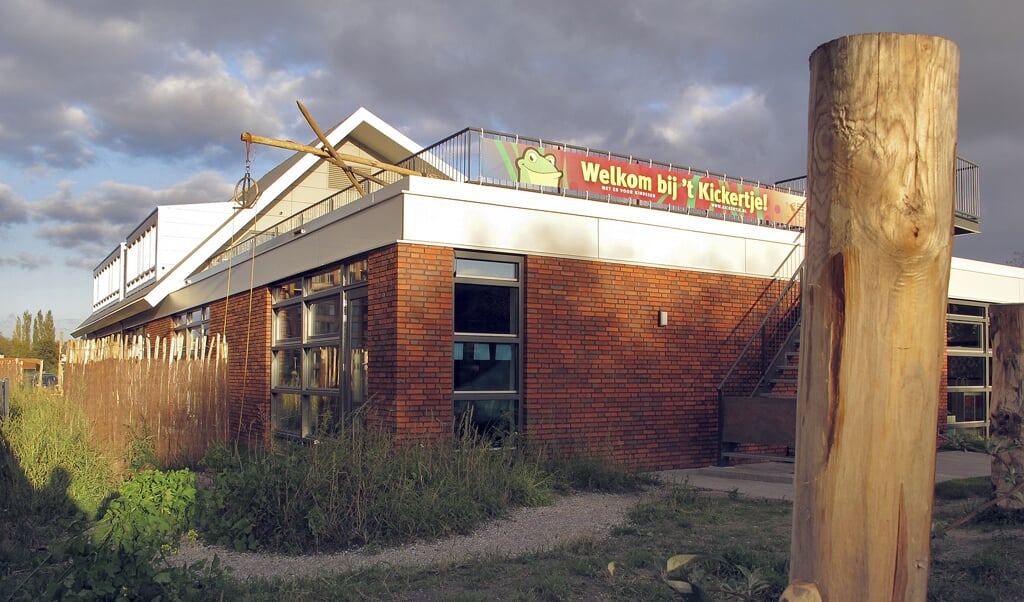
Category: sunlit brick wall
<point>602,377</point>
<point>247,330</point>
<point>410,346</point>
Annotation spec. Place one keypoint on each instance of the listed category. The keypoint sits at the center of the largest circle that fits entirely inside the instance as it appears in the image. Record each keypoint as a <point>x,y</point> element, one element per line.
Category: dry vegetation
<point>150,396</point>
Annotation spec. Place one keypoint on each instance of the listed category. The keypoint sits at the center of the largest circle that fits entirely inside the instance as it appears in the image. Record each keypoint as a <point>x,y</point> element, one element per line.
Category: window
<point>487,354</point>
<point>969,366</point>
<point>190,329</point>
<point>317,320</point>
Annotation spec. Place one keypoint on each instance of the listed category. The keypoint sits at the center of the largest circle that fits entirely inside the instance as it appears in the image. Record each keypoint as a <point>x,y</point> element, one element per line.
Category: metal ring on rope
<point>246,192</point>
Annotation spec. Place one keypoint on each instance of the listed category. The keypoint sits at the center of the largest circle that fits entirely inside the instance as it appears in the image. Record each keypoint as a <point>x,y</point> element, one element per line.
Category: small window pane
<point>289,290</point>
<point>964,334</point>
<point>324,280</point>
<point>478,268</point>
<point>288,322</point>
<point>287,413</point>
<point>326,413</point>
<point>964,309</point>
<point>288,368</point>
<point>323,368</point>
<point>324,316</point>
<point>356,271</point>
<point>966,371</point>
<point>485,366</point>
<point>486,309</point>
<point>494,418</point>
<point>967,407</point>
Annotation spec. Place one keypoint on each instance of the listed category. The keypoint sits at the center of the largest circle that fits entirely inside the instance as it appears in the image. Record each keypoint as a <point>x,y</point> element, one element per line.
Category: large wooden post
<point>1007,412</point>
<point>881,151</point>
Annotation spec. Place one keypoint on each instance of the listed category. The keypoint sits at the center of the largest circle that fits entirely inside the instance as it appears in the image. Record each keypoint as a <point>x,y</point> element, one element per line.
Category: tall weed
<point>360,487</point>
<point>51,448</point>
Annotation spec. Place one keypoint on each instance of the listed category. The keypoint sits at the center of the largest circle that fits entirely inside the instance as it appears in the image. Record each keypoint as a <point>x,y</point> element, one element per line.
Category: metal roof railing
<point>458,158</point>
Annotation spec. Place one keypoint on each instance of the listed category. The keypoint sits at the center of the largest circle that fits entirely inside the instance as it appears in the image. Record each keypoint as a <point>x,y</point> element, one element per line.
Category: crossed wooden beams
<point>331,155</point>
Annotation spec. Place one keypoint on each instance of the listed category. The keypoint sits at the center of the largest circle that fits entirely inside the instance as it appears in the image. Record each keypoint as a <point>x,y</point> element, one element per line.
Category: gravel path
<point>525,530</point>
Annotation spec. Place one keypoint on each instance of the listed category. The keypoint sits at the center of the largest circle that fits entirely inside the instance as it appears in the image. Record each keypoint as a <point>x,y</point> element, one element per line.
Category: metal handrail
<point>760,333</point>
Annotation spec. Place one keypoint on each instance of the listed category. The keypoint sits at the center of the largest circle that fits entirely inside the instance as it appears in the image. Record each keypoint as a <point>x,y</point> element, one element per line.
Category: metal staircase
<point>757,396</point>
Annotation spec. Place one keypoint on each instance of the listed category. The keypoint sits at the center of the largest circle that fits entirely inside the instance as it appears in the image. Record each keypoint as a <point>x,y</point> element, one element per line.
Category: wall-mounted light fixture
<point>662,318</point>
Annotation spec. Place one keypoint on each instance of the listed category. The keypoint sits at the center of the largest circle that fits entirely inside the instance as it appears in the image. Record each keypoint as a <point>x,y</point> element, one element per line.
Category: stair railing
<point>779,320</point>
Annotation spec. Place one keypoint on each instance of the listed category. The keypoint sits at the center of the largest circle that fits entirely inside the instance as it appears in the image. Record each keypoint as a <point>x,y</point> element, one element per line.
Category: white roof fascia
<point>175,278</point>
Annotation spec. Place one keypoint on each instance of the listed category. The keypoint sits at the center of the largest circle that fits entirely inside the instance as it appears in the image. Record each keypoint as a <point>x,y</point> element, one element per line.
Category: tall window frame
<point>968,366</point>
<point>487,356</point>
<point>311,384</point>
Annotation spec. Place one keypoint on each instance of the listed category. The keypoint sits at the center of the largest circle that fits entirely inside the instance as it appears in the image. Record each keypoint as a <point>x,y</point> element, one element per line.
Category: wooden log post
<point>1006,415</point>
<point>881,151</point>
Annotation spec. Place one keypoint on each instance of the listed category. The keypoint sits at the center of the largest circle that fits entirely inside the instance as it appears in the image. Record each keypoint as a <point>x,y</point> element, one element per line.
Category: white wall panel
<point>978,281</point>
<point>478,225</point>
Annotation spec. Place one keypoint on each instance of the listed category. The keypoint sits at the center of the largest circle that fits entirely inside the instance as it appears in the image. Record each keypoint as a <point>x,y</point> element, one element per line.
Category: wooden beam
<point>295,146</point>
<point>882,130</point>
<point>330,149</point>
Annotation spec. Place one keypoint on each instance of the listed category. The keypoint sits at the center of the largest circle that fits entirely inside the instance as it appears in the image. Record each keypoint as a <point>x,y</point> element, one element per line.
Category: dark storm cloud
<point>74,80</point>
<point>93,223</point>
<point>715,85</point>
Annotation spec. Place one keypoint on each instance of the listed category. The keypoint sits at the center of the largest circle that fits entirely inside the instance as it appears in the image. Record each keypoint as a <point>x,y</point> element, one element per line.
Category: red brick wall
<point>161,327</point>
<point>410,340</point>
<point>248,338</point>
<point>602,376</point>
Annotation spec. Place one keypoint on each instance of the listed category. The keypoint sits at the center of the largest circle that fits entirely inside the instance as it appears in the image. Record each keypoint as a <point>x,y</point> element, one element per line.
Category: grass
<point>979,562</point>
<point>359,488</point>
<point>367,490</point>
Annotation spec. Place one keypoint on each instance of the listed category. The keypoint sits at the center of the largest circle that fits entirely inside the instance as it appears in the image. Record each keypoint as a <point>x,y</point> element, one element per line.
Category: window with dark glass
<point>488,345</point>
<point>311,384</point>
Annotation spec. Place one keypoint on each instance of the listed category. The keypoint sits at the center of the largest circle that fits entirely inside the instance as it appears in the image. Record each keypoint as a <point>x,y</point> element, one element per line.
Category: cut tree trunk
<point>1006,415</point>
<point>881,151</point>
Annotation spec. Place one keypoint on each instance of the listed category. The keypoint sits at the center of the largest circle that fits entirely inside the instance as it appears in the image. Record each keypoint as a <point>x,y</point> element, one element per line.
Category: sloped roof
<point>371,133</point>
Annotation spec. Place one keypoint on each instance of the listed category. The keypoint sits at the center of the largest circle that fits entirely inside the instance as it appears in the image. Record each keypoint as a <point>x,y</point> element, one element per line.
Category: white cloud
<point>26,261</point>
<point>13,208</point>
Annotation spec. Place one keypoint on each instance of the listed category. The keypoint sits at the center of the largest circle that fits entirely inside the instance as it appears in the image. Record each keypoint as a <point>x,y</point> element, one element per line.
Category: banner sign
<point>556,168</point>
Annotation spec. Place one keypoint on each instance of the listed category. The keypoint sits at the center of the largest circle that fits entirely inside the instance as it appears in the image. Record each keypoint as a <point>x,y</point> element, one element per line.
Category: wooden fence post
<point>881,151</point>
<point>1007,408</point>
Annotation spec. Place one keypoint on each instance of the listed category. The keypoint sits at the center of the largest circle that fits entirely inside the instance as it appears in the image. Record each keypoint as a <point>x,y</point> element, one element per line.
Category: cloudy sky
<point>109,108</point>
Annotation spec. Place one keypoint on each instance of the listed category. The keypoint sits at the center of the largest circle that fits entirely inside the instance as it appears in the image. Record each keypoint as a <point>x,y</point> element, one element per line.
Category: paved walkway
<point>775,479</point>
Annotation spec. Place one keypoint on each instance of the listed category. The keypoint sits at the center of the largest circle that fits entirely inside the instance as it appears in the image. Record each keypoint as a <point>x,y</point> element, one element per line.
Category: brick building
<point>586,300</point>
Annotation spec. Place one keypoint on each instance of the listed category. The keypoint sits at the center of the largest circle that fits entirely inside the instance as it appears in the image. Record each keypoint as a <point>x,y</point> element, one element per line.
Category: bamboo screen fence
<point>164,396</point>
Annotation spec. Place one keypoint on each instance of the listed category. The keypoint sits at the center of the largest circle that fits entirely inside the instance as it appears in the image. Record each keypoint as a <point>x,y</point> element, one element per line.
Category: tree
<point>44,340</point>
<point>35,338</point>
<point>21,339</point>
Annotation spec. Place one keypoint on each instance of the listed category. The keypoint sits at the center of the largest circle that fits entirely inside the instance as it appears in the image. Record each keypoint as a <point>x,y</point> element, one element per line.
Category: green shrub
<point>151,510</point>
<point>85,570</point>
<point>361,487</point>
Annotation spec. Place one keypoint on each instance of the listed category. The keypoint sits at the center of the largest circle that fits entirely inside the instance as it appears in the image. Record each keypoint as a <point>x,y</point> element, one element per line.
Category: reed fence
<point>167,397</point>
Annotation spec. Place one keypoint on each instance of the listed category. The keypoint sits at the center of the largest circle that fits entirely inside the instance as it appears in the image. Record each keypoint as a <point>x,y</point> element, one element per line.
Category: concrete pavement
<point>774,480</point>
